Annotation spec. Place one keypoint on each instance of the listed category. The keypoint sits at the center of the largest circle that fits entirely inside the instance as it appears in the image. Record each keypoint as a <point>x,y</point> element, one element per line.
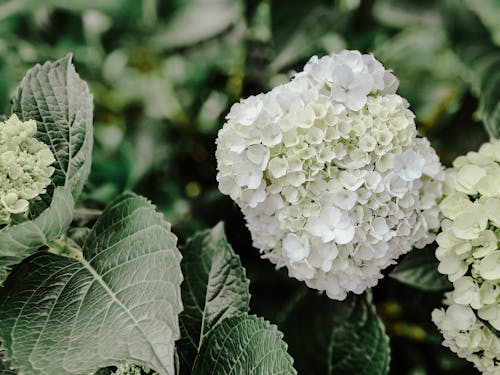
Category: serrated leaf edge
<point>15,366</point>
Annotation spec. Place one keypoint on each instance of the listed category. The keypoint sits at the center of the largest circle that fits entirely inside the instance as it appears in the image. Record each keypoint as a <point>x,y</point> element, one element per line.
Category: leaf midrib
<point>204,312</point>
<point>108,290</point>
<point>44,120</point>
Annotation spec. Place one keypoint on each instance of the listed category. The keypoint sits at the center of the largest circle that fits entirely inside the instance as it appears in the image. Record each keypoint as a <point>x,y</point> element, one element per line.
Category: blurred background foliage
<point>165,73</point>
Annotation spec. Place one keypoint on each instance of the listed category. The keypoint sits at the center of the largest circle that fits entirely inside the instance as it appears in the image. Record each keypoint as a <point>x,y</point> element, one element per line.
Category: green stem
<point>82,214</point>
<point>487,324</point>
<point>82,211</point>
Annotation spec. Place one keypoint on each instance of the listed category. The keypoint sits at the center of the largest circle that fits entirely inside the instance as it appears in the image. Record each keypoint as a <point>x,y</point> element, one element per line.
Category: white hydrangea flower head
<point>329,173</point>
<point>469,254</point>
<point>25,167</point>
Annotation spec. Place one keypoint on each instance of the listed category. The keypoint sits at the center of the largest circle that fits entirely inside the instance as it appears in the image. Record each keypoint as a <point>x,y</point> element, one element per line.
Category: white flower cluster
<point>24,167</point>
<point>329,173</point>
<point>469,254</point>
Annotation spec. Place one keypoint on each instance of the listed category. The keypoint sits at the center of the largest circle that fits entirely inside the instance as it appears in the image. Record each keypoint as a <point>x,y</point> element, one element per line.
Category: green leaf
<point>215,287</point>
<point>343,337</point>
<point>399,14</point>
<point>5,367</point>
<point>79,235</point>
<point>419,269</point>
<point>429,61</point>
<point>54,95</point>
<point>18,241</point>
<point>245,345</point>
<point>302,29</point>
<point>472,43</point>
<point>119,303</point>
<point>196,21</point>
<point>11,8</point>
<point>488,11</point>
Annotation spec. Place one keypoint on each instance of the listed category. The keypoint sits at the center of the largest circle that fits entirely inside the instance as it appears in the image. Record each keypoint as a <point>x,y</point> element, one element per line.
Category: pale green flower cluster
<point>466,335</point>
<point>129,369</point>
<point>469,254</point>
<point>25,167</point>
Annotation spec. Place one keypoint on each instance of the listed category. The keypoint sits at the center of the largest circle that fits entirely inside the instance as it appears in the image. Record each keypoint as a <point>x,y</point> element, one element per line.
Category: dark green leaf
<point>119,303</point>
<point>103,371</point>
<point>287,16</point>
<point>79,235</point>
<point>473,45</point>
<point>336,337</point>
<point>244,345</point>
<point>54,95</point>
<point>5,367</point>
<point>419,269</point>
<point>302,29</point>
<point>15,7</point>
<point>215,287</point>
<point>429,60</point>
<point>18,241</point>
<point>488,11</point>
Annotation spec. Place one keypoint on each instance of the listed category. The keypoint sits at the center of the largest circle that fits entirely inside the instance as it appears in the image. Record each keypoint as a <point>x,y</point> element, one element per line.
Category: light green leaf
<point>54,95</point>
<point>215,287</point>
<point>401,14</point>
<point>419,269</point>
<point>245,345</point>
<point>196,21</point>
<point>343,337</point>
<point>119,303</point>
<point>18,241</point>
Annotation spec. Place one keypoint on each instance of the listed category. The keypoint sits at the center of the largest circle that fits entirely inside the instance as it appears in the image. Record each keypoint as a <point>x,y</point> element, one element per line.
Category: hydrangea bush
<point>330,175</point>
<point>107,299</point>
<point>334,184</point>
<point>25,167</point>
<point>469,254</point>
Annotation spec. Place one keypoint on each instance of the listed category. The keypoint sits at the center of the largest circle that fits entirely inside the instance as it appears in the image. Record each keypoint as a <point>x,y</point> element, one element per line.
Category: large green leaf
<point>343,337</point>
<point>119,303</point>
<point>214,288</point>
<point>54,95</point>
<point>18,241</point>
<point>419,269</point>
<point>245,345</point>
<point>472,43</point>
